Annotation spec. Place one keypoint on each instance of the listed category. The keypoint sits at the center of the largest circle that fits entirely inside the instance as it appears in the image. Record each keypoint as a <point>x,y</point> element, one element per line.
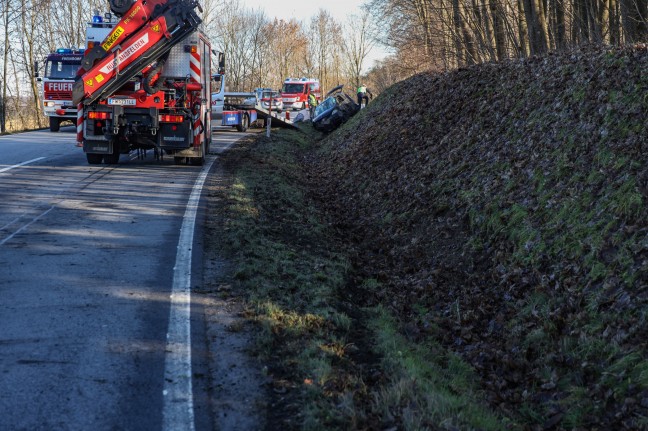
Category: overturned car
<point>335,110</point>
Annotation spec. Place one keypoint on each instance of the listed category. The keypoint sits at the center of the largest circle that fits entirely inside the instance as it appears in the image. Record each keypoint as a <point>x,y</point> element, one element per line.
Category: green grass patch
<point>426,386</point>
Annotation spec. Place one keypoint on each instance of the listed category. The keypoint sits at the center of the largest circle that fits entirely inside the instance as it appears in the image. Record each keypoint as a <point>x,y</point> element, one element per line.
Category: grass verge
<point>327,370</point>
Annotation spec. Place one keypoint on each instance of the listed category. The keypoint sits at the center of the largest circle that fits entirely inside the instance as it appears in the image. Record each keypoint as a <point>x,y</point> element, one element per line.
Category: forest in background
<point>422,35</point>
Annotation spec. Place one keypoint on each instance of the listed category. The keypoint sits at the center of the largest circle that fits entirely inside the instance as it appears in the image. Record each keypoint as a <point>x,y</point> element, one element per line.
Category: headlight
<point>49,104</point>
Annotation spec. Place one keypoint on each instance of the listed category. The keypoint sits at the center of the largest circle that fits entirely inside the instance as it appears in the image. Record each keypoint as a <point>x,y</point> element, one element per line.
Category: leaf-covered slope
<point>502,208</point>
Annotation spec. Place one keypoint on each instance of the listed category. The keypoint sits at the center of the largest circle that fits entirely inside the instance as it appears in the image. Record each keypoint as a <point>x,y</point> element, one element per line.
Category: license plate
<point>122,102</point>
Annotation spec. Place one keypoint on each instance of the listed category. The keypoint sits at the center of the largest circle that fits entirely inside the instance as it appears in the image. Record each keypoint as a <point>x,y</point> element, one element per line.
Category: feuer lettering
<point>59,86</point>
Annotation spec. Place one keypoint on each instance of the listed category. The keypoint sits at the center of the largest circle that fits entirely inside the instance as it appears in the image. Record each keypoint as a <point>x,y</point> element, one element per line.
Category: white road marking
<point>25,226</point>
<point>178,392</point>
<point>20,164</point>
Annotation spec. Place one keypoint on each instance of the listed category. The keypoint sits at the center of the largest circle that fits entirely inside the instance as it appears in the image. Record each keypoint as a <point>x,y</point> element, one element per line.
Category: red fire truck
<point>147,85</point>
<point>56,85</point>
<point>295,92</point>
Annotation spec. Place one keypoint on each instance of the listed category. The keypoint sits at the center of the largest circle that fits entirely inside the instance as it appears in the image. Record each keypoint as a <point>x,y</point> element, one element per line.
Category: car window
<point>329,103</point>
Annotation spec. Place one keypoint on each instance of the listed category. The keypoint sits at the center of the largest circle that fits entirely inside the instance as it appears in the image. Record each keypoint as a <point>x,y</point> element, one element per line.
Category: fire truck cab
<point>56,85</point>
<point>295,92</point>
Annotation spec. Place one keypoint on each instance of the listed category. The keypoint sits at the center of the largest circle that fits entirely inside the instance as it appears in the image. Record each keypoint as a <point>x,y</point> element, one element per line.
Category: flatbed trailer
<point>228,108</point>
<point>239,118</point>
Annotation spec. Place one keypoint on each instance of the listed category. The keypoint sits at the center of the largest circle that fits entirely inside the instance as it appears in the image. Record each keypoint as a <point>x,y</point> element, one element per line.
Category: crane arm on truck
<point>146,32</point>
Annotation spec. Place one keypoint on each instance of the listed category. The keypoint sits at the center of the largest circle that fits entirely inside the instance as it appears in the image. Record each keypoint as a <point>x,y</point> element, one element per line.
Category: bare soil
<point>237,381</point>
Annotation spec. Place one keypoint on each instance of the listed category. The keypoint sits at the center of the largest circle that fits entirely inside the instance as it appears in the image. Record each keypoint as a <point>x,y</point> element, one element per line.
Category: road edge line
<point>178,409</point>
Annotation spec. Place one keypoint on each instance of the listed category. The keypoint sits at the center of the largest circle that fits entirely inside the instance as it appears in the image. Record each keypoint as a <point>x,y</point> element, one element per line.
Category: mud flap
<point>97,147</point>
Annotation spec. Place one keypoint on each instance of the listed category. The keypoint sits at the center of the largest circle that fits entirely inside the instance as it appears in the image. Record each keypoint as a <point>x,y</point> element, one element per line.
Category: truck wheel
<point>55,124</point>
<point>244,124</point>
<point>94,159</point>
<point>113,158</point>
<point>199,161</point>
<point>179,160</point>
<point>120,7</point>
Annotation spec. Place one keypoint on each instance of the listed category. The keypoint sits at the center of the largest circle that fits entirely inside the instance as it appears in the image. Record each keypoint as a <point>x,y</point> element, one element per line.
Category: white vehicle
<point>272,101</point>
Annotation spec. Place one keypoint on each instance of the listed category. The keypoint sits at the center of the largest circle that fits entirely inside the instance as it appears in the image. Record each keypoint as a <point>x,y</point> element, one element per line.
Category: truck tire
<point>55,124</point>
<point>94,159</point>
<point>113,158</point>
<point>199,161</point>
<point>120,7</point>
<point>244,124</point>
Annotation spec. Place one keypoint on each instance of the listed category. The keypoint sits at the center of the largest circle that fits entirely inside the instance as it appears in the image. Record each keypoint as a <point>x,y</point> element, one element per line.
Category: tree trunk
<point>560,38</point>
<point>5,67</point>
<point>523,30</point>
<point>603,19</point>
<point>457,20</point>
<point>615,22</point>
<point>499,30</point>
<point>536,26</point>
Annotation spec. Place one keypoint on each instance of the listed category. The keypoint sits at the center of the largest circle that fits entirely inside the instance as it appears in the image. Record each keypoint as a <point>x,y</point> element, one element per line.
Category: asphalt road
<point>87,257</point>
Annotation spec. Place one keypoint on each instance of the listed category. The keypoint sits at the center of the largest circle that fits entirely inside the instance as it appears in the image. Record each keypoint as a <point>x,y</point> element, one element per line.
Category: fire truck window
<point>60,69</point>
<point>293,88</point>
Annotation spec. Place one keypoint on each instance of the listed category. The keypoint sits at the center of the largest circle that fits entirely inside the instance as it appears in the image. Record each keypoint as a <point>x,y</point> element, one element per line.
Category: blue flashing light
<point>64,51</point>
<point>97,19</point>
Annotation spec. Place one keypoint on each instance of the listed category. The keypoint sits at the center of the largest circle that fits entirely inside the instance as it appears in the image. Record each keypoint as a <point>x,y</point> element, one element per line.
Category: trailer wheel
<point>179,160</point>
<point>55,124</point>
<point>94,159</point>
<point>244,124</point>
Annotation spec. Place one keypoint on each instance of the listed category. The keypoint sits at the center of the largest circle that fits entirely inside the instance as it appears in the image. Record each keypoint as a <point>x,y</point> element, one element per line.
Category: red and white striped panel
<point>196,129</point>
<point>195,77</point>
<point>195,67</point>
<point>79,142</point>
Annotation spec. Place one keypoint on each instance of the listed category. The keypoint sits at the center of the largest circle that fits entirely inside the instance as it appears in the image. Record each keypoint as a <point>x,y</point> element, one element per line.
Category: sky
<point>304,10</point>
